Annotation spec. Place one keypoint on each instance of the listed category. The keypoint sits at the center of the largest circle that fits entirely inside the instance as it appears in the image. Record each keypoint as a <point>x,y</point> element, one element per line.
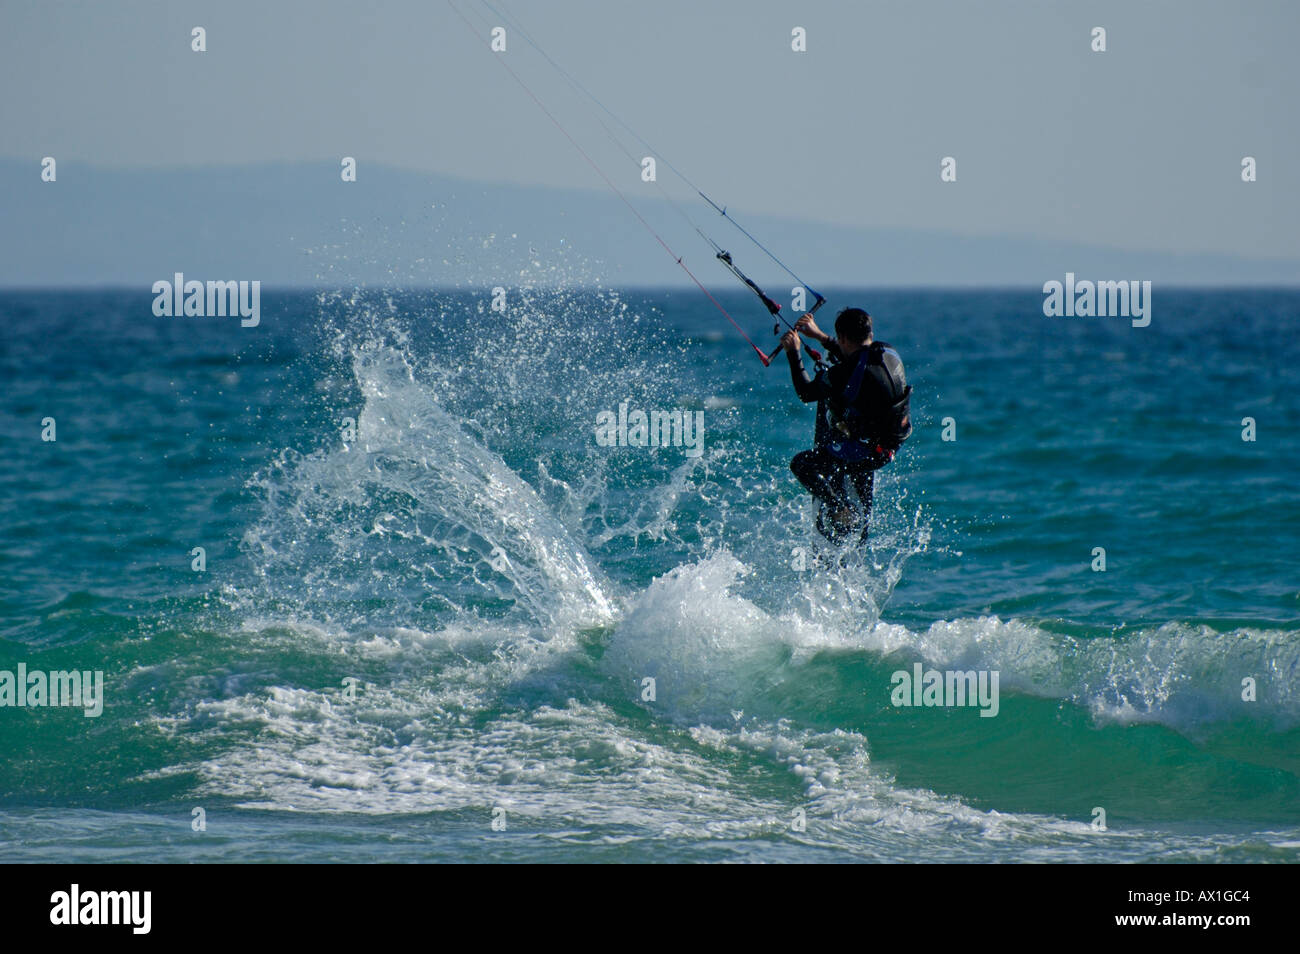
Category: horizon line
<point>636,287</point>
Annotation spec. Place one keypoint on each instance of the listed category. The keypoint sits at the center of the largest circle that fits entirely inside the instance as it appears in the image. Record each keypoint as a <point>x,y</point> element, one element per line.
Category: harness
<point>888,427</point>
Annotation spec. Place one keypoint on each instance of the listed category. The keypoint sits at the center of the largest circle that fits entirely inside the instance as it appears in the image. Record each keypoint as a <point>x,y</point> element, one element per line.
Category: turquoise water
<point>500,587</point>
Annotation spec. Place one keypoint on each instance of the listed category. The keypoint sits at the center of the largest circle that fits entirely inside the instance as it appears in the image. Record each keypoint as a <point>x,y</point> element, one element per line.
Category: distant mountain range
<point>298,224</point>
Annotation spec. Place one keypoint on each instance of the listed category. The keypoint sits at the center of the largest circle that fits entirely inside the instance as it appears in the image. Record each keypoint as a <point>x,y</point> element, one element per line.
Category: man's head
<point>852,329</point>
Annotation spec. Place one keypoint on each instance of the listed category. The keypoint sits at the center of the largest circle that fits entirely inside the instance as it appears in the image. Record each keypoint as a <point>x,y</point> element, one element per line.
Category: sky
<point>1139,147</point>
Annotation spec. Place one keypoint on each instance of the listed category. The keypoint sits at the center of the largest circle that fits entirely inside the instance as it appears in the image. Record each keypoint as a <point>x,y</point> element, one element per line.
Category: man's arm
<point>804,386</point>
<point>808,326</point>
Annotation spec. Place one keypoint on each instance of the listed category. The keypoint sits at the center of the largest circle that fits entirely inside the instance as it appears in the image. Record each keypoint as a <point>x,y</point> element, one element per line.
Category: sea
<point>365,583</point>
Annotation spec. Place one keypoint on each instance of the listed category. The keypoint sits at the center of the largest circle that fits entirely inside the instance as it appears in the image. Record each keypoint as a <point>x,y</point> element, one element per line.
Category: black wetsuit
<point>870,403</point>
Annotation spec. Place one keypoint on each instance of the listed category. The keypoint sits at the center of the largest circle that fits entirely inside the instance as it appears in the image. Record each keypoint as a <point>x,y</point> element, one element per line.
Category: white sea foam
<point>415,507</point>
<point>541,709</point>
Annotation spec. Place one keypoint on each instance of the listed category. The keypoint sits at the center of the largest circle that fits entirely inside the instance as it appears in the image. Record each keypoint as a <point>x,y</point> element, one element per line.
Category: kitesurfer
<point>862,418</point>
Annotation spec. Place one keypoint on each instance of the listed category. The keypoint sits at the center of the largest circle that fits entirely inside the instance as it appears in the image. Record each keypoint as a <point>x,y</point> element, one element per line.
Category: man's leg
<point>864,482</point>
<point>863,477</point>
<point>823,476</point>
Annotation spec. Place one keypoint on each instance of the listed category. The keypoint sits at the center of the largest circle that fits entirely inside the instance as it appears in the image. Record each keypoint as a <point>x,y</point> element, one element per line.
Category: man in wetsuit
<point>862,418</point>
